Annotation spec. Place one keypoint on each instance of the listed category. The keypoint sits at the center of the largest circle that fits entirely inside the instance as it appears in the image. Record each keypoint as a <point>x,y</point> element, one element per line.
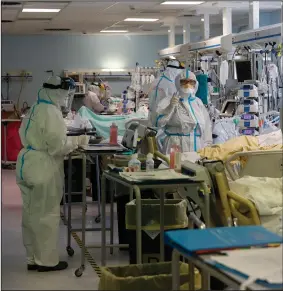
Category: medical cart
<point>92,151</point>
<point>135,188</point>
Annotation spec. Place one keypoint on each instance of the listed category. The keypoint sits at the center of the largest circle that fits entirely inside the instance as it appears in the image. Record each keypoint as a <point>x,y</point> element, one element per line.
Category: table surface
<point>102,149</point>
<point>173,182</point>
<point>10,120</point>
<point>79,133</point>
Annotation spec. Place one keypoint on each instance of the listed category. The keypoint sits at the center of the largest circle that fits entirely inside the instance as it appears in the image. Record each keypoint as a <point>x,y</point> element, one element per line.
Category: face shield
<point>60,91</point>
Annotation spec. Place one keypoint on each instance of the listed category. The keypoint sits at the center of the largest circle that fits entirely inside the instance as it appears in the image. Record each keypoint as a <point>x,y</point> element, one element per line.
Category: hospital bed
<point>256,164</point>
<point>228,204</point>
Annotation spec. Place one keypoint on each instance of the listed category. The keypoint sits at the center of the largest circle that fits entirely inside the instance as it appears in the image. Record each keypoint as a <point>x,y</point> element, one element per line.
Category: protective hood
<point>186,75</point>
<point>55,96</point>
<point>94,89</point>
<point>171,72</point>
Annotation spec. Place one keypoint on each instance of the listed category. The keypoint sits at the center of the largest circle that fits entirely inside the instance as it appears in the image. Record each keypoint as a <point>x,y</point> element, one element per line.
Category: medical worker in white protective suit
<point>163,88</point>
<point>184,117</point>
<point>92,100</point>
<point>40,174</point>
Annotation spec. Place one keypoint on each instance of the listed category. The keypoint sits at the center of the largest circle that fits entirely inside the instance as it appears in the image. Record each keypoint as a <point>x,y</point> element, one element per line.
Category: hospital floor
<point>14,273</point>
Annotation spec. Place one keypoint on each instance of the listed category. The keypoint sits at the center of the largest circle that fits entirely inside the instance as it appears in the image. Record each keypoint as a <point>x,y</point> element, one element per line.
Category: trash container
<point>122,199</point>
<point>144,277</point>
<point>175,217</point>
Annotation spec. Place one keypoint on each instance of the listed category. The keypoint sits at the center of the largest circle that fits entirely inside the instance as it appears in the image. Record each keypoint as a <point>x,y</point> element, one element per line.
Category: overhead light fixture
<point>41,10</point>
<point>142,19</point>
<point>114,31</point>
<point>202,19</point>
<point>182,3</point>
<point>113,70</point>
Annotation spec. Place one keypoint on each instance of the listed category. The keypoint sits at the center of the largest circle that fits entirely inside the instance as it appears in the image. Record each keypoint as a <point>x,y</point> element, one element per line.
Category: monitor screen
<point>244,71</point>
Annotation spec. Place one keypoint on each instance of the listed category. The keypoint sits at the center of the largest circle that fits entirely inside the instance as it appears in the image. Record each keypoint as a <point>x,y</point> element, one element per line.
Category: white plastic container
<point>134,164</point>
<point>149,163</point>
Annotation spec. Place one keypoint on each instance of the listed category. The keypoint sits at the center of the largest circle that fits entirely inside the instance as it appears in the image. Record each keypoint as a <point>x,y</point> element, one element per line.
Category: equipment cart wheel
<point>97,219</point>
<point>79,271</point>
<point>70,251</point>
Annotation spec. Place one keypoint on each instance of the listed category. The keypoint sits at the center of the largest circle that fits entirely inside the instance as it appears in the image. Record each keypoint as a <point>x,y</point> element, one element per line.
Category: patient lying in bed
<point>266,194</point>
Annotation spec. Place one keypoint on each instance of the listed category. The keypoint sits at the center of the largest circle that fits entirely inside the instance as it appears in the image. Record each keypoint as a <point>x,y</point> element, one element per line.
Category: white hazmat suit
<point>40,176</point>
<point>92,100</point>
<point>184,118</point>
<point>162,88</point>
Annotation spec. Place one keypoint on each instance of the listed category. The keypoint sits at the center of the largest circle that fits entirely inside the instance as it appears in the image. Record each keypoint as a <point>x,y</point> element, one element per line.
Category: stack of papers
<point>263,264</point>
<point>153,176</point>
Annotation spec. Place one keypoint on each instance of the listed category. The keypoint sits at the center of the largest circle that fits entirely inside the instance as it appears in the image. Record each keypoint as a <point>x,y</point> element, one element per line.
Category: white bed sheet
<point>266,193</point>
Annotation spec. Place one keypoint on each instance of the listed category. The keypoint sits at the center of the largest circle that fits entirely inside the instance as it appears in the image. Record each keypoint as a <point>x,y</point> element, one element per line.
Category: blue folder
<point>220,238</point>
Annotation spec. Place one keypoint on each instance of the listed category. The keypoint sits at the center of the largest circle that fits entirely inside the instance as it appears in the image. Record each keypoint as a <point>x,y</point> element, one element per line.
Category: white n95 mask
<point>188,90</point>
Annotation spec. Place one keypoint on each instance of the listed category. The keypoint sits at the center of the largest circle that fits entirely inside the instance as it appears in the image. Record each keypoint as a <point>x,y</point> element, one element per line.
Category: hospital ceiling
<point>91,17</point>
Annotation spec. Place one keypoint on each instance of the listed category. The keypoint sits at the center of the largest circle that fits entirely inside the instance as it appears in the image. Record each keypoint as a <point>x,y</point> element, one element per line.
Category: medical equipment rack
<point>135,188</point>
<point>92,151</point>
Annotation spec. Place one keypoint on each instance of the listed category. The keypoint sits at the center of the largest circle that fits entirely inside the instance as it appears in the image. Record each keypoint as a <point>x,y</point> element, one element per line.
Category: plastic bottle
<point>134,164</point>
<point>149,163</point>
<point>175,156</point>
<point>113,134</point>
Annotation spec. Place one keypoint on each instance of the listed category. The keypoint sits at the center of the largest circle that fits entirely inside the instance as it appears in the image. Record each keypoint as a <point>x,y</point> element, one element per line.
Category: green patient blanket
<point>102,123</point>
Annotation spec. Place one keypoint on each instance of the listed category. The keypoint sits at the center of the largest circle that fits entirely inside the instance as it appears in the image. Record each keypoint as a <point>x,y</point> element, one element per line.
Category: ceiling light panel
<point>141,19</point>
<point>114,31</point>
<point>182,2</point>
<point>41,10</point>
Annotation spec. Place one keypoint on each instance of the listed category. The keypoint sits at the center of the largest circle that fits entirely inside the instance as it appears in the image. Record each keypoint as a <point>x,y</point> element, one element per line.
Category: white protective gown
<point>40,174</point>
<point>92,101</point>
<point>163,88</point>
<point>188,122</point>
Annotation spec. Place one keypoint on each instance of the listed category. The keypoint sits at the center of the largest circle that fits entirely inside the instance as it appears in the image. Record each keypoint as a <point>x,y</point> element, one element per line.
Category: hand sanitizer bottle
<point>149,163</point>
<point>134,164</point>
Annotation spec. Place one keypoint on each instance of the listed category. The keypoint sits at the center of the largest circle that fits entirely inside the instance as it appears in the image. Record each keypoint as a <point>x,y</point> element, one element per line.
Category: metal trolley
<point>92,151</point>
